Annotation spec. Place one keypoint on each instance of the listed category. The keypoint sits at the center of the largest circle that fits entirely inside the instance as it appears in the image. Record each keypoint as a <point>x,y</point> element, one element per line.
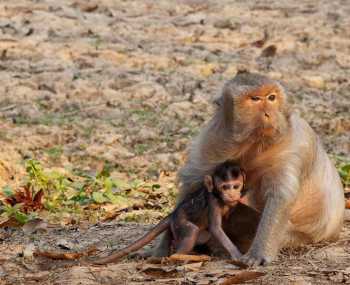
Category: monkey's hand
<point>255,257</point>
<point>235,255</point>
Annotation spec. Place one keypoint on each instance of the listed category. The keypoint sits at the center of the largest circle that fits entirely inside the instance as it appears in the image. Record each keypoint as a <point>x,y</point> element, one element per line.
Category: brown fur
<point>198,216</point>
<point>290,177</point>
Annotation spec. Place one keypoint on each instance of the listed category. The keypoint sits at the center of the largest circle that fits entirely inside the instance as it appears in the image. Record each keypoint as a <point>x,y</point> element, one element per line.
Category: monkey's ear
<point>208,182</point>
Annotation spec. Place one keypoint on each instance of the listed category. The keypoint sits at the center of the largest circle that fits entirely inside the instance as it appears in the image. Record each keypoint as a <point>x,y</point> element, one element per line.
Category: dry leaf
<point>158,271</point>
<point>260,43</point>
<point>37,276</point>
<point>65,255</point>
<point>189,258</point>
<point>347,204</point>
<point>238,263</point>
<point>28,251</point>
<point>242,277</point>
<point>111,215</point>
<point>9,222</point>
<point>156,260</point>
<point>191,266</point>
<point>25,197</point>
<point>269,51</point>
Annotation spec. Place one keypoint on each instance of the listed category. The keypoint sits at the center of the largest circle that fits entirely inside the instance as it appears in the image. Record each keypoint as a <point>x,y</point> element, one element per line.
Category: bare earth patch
<point>129,83</point>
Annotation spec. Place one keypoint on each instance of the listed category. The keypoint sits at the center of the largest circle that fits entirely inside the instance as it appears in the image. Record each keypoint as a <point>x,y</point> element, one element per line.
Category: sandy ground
<point>131,82</point>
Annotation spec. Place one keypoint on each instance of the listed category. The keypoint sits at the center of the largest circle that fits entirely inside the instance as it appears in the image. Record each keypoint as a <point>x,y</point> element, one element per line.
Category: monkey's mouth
<point>266,129</point>
<point>231,203</point>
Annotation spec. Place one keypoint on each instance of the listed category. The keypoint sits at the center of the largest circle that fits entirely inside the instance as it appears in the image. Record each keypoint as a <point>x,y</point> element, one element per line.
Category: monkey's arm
<point>280,192</point>
<point>215,227</point>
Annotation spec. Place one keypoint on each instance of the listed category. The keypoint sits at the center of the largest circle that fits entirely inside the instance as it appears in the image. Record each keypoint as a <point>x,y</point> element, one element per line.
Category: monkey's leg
<point>272,230</point>
<point>163,248</point>
<point>187,238</point>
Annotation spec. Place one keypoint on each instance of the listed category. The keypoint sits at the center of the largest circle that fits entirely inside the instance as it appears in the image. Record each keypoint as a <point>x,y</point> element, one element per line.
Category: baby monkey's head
<point>226,182</point>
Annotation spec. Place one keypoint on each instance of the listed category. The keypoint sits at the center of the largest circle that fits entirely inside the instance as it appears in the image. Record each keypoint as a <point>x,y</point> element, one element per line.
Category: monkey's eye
<point>271,97</point>
<point>226,187</point>
<point>236,186</point>
<point>255,98</point>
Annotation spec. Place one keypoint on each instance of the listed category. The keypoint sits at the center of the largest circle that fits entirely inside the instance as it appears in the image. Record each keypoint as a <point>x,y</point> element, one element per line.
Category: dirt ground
<point>131,82</point>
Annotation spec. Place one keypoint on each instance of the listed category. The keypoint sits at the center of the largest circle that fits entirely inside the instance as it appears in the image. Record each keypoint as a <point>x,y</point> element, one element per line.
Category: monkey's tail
<point>147,238</point>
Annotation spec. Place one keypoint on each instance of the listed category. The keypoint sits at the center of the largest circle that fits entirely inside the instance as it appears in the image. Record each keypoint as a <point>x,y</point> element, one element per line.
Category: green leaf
<point>108,184</point>
<point>155,186</point>
<point>105,172</point>
<point>99,198</point>
<point>136,183</point>
<point>346,168</point>
<point>21,217</point>
<point>120,184</point>
<point>8,191</point>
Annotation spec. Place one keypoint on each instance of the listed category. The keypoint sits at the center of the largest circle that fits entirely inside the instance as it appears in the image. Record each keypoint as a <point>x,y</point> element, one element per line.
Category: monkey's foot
<point>255,259</point>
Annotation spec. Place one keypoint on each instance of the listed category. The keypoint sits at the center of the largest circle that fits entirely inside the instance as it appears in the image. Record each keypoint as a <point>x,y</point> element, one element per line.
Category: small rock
<point>315,81</point>
<point>184,130</point>
<point>2,272</point>
<point>193,19</point>
<point>34,225</point>
<point>122,152</point>
<point>43,130</point>
<point>332,254</point>
<point>300,281</point>
<point>226,24</point>
<point>147,134</point>
<point>167,161</point>
<point>180,109</point>
<point>28,252</point>
<point>64,244</point>
<point>275,75</point>
<point>338,277</point>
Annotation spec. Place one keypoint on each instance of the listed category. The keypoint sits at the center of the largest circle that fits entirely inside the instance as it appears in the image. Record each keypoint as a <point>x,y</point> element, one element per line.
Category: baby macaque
<point>199,216</point>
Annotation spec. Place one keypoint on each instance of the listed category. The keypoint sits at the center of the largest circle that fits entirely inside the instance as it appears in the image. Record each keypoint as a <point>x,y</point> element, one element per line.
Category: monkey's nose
<point>267,116</point>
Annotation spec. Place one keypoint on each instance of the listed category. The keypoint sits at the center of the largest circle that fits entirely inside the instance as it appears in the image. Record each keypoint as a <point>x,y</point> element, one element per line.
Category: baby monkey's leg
<point>188,236</point>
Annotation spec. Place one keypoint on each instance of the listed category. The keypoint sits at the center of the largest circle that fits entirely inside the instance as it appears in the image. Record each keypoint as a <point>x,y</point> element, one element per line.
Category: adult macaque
<point>200,211</point>
<point>290,178</point>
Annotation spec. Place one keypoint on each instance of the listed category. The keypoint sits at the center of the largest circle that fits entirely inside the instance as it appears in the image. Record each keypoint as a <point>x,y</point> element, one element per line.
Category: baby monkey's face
<point>230,190</point>
<point>227,183</point>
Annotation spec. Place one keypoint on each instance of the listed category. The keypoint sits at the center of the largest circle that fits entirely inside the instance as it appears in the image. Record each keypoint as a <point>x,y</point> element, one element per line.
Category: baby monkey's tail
<point>147,238</point>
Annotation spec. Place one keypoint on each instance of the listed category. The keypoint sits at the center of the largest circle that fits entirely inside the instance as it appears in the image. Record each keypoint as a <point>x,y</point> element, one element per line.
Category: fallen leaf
<point>37,276</point>
<point>156,260</point>
<point>242,277</point>
<point>238,263</point>
<point>191,266</point>
<point>347,204</point>
<point>65,255</point>
<point>269,51</point>
<point>189,258</point>
<point>158,271</point>
<point>260,43</point>
<point>9,222</point>
<point>29,201</point>
<point>110,215</point>
<point>28,251</point>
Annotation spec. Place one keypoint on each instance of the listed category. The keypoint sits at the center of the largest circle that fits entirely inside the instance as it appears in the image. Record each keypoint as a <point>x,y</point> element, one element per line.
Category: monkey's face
<point>230,190</point>
<point>262,110</point>
<point>226,183</point>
